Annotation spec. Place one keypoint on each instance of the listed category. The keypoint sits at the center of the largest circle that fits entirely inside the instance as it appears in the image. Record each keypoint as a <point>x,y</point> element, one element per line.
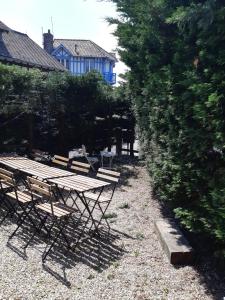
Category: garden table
<point>20,163</point>
<point>47,172</point>
<point>80,184</point>
<point>33,168</point>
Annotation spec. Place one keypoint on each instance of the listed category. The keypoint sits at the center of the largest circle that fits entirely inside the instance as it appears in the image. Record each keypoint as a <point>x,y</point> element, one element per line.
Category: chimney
<point>76,51</point>
<point>48,42</point>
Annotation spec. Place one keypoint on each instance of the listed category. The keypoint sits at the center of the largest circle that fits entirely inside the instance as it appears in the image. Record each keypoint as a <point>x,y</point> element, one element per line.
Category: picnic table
<point>80,184</point>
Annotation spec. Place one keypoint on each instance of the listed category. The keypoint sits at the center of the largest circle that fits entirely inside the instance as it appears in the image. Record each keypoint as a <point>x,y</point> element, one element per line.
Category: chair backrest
<point>108,175</point>
<point>84,150</point>
<point>7,177</point>
<point>60,160</point>
<point>80,167</point>
<point>39,187</point>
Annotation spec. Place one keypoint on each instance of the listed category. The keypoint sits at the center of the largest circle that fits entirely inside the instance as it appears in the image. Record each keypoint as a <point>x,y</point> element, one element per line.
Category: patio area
<point>127,264</point>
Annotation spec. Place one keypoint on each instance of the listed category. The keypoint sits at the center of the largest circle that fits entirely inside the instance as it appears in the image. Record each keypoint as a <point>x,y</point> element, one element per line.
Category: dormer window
<point>65,62</point>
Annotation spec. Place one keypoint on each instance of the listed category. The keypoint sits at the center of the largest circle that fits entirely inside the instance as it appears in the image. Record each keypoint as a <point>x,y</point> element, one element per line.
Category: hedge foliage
<point>56,112</point>
<point>176,52</point>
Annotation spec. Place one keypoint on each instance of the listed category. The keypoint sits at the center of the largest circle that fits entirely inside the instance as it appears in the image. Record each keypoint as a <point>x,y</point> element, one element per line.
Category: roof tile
<point>84,48</point>
<point>17,47</point>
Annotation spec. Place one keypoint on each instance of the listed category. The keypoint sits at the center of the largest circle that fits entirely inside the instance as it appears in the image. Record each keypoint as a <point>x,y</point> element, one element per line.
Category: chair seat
<point>94,196</point>
<point>5,184</point>
<point>59,210</point>
<point>93,159</point>
<point>20,196</point>
<point>107,154</point>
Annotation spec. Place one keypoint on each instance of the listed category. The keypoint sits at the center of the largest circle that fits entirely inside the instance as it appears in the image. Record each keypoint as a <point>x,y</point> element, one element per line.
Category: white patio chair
<point>91,159</point>
<point>107,154</point>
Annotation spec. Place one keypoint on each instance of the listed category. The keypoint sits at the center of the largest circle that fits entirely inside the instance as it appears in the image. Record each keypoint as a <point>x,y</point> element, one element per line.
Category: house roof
<point>3,26</point>
<point>84,48</point>
<point>18,48</point>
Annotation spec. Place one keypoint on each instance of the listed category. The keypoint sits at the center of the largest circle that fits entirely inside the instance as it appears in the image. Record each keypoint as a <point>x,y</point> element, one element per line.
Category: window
<point>65,62</point>
<point>91,64</point>
<point>107,67</point>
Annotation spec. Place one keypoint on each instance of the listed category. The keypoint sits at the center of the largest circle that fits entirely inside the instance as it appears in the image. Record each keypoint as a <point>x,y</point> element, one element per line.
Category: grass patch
<point>124,206</point>
<point>110,216</point>
<point>116,264</point>
<point>140,236</point>
<point>110,276</point>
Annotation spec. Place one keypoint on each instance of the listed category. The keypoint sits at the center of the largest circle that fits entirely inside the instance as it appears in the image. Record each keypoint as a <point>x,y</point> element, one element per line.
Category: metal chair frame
<point>89,217</point>
<point>7,183</point>
<point>102,203</point>
<point>59,215</point>
<point>26,202</point>
<point>79,167</point>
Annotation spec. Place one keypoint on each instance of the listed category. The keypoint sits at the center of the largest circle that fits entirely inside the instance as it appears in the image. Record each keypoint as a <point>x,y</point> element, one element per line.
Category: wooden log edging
<point>174,243</point>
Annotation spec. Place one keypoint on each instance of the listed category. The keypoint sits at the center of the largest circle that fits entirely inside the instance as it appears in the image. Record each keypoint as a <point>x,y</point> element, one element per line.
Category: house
<point>17,48</point>
<point>81,56</point>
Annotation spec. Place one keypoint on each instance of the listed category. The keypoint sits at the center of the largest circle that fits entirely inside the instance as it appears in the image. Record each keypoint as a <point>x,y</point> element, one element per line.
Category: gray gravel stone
<point>130,266</point>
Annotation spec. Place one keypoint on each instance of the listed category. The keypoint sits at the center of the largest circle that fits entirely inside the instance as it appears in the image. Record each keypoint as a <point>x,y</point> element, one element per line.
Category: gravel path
<point>131,265</point>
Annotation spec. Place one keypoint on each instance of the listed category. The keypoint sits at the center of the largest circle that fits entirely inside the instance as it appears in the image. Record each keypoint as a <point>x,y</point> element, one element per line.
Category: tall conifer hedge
<point>176,52</point>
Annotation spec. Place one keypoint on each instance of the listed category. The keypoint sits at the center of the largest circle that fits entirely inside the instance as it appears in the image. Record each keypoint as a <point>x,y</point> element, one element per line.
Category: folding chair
<point>101,202</point>
<point>40,156</point>
<point>7,183</point>
<point>80,167</point>
<point>91,159</point>
<point>58,213</point>
<point>60,160</point>
<point>24,201</point>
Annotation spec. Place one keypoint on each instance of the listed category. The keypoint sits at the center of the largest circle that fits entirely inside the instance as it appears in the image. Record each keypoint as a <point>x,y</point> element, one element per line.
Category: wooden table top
<point>48,172</point>
<point>54,175</point>
<point>79,183</point>
<point>33,168</point>
<point>21,163</point>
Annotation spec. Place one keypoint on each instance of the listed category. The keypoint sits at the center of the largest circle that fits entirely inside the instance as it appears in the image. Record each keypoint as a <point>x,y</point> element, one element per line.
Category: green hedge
<point>57,111</point>
<point>176,52</point>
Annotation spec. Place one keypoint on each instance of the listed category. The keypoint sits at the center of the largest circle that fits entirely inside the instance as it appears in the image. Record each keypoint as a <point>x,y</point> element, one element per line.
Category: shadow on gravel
<point>97,252</point>
<point>129,169</point>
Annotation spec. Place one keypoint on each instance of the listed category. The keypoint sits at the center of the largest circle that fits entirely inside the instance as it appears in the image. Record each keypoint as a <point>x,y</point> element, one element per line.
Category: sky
<point>78,19</point>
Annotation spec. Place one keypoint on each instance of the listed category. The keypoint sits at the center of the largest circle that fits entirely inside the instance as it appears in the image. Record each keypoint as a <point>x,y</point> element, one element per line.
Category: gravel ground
<point>130,265</point>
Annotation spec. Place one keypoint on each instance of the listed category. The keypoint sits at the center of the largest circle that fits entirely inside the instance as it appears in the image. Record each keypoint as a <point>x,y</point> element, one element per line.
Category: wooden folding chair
<point>101,202</point>
<point>56,211</point>
<point>80,167</point>
<point>7,183</point>
<point>24,203</point>
<point>40,156</point>
<point>60,161</point>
